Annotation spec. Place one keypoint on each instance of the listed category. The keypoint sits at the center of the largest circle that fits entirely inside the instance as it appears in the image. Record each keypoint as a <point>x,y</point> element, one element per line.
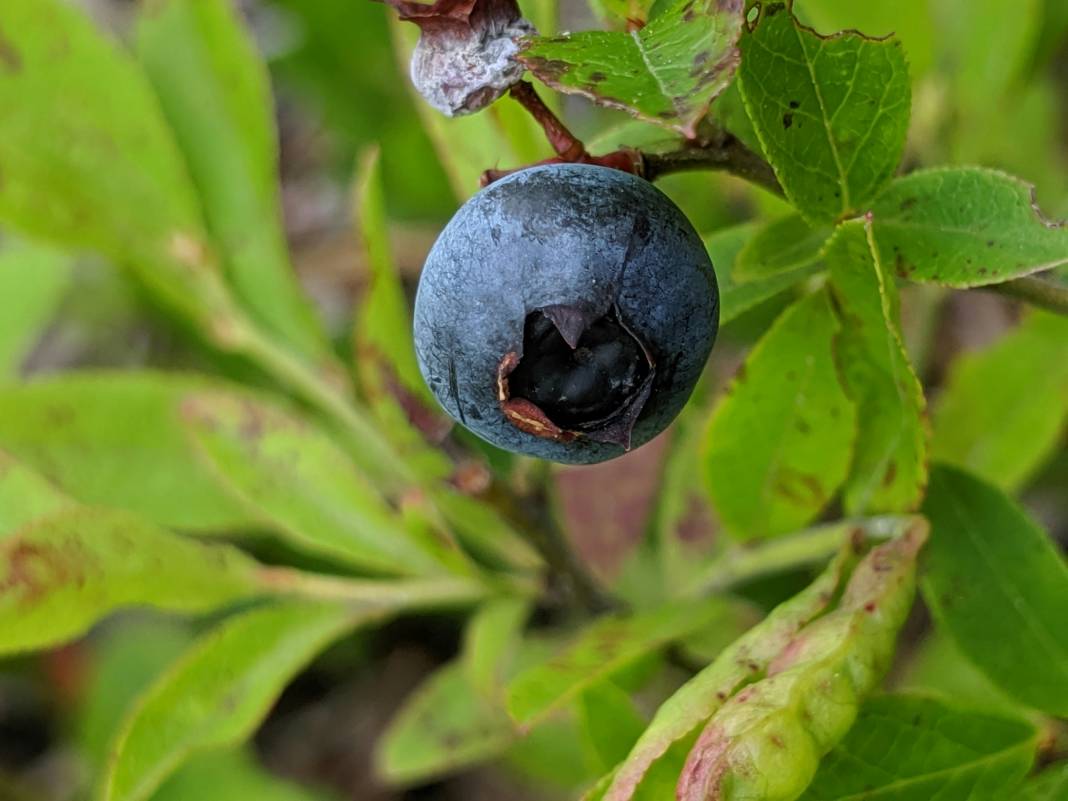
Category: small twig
<point>564,143</point>
<point>724,152</point>
<point>1037,291</point>
<point>567,575</point>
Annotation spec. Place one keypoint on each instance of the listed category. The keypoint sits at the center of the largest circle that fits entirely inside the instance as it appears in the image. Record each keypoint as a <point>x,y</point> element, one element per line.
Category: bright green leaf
<point>24,496</point>
<point>385,351</point>
<point>786,245</point>
<point>235,775</point>
<point>668,72</point>
<point>66,570</point>
<point>116,439</point>
<point>606,646</point>
<point>215,93</point>
<point>295,477</point>
<point>889,469</point>
<point>779,442</point>
<point>980,421</point>
<point>610,721</point>
<point>220,690</point>
<point>33,278</point>
<point>107,175</point>
<point>736,297</point>
<point>910,748</point>
<point>998,585</point>
<point>1050,785</point>
<point>491,641</point>
<point>965,226</point>
<point>484,532</point>
<point>446,725</point>
<point>831,112</point>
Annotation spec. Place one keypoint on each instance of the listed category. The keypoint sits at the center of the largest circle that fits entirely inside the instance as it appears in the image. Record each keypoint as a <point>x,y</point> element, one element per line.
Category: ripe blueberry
<point>566,312</point>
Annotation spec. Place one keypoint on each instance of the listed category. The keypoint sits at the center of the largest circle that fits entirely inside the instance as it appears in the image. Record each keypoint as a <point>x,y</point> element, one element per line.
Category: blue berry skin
<point>563,235</point>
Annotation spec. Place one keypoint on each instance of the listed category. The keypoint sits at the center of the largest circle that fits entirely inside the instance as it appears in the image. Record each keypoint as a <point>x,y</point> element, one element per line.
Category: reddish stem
<point>568,147</point>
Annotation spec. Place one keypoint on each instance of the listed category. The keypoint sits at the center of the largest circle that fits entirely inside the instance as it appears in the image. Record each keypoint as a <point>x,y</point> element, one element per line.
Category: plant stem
<point>567,575</point>
<point>723,152</point>
<point>425,593</point>
<point>808,547</point>
<point>1037,291</point>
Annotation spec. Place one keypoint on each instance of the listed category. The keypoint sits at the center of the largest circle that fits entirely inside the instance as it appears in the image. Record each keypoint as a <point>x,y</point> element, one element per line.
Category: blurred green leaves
<point>214,91</point>
<point>108,175</point>
<point>998,585</point>
<point>980,422</point>
<point>217,693</point>
<point>33,279</point>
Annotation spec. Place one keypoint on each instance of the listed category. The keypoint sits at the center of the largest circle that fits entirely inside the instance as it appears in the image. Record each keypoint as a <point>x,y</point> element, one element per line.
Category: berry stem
<point>564,143</point>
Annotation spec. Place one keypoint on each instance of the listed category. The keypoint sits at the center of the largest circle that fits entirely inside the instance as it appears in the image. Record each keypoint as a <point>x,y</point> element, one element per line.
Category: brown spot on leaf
<point>787,120</point>
<point>9,56</point>
<point>890,475</point>
<point>598,77</point>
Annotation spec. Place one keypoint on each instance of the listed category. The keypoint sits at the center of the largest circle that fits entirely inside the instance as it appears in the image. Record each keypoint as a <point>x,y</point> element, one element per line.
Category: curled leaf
<point>766,742</point>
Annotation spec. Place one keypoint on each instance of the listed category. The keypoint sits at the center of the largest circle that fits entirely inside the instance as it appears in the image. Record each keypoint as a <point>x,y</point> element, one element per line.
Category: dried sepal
<point>466,55</point>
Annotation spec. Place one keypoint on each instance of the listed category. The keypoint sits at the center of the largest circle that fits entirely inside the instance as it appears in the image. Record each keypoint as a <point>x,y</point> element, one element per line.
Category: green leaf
<point>997,584</point>
<point>66,570</point>
<point>779,442</point>
<point>831,112</point>
<point>117,439</point>
<point>937,667</point>
<point>108,175</point>
<point>736,297</point>
<point>979,421</point>
<point>24,496</point>
<point>652,768</point>
<point>610,721</point>
<point>484,532</point>
<point>910,748</point>
<point>965,226</point>
<point>215,93</point>
<point>668,72</point>
<point>500,137</point>
<point>606,646</point>
<point>491,641</point>
<point>33,279</point>
<point>446,725</point>
<point>235,775</point>
<point>889,469</point>
<point>386,366</point>
<point>786,245</point>
<point>293,476</point>
<point>1050,785</point>
<point>220,690</point>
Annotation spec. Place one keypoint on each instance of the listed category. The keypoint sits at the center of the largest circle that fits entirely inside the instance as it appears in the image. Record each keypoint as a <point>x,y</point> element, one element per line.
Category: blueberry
<point>566,312</point>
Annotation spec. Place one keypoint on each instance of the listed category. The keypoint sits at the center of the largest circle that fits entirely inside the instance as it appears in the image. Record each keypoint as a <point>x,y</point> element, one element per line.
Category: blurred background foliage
<point>990,87</point>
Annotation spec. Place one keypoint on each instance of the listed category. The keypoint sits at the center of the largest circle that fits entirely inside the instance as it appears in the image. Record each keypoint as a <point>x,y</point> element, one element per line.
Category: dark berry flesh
<point>579,387</point>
